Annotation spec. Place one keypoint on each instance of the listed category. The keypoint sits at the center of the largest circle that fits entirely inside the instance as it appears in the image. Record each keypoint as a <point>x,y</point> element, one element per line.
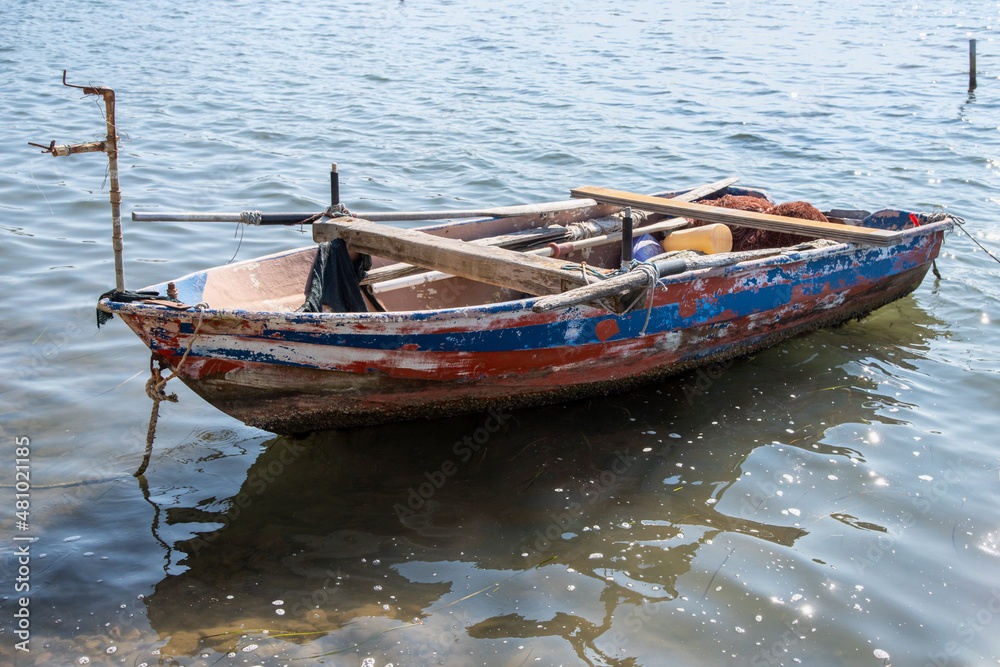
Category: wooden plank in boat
<point>777,223</point>
<point>488,264</point>
<point>526,236</point>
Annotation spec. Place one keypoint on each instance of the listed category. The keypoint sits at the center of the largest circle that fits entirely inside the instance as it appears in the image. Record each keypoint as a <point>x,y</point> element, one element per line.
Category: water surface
<point>822,502</point>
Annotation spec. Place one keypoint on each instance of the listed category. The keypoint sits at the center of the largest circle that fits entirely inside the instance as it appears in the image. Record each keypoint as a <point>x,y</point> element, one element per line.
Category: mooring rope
<point>959,221</point>
<point>155,389</point>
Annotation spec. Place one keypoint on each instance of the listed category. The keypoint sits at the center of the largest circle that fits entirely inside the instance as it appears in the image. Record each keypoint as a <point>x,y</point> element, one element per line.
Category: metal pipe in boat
<point>398,216</point>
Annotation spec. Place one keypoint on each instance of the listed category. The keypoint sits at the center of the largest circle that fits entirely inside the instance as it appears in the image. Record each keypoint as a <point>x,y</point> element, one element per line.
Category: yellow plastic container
<point>709,239</point>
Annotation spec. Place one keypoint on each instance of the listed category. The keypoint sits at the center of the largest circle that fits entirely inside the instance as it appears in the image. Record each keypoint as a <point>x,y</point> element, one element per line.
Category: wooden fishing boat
<point>515,306</point>
<point>498,328</point>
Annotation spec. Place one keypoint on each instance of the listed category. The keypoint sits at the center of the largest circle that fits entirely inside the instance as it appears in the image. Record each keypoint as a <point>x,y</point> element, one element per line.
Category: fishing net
<point>747,238</point>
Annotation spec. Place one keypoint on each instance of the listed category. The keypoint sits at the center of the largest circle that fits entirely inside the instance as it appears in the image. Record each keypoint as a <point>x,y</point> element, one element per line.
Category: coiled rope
<point>652,277</point>
<point>251,217</point>
<point>335,211</point>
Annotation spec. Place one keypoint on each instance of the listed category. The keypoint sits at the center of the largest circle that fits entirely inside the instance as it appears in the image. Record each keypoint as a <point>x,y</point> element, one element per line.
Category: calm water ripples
<point>823,502</point>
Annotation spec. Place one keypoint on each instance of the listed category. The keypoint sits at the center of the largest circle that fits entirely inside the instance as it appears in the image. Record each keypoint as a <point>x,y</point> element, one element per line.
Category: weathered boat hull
<point>294,372</point>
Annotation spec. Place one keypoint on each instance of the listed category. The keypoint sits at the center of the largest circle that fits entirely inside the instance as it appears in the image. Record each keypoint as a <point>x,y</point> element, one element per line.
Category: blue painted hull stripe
<point>564,333</point>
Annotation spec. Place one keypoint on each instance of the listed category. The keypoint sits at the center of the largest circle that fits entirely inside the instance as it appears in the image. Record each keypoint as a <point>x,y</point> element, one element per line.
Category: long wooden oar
<point>777,223</point>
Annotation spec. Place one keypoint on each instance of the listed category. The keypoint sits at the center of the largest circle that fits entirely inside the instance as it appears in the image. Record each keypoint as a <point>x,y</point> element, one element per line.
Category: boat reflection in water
<point>568,526</point>
<point>398,521</point>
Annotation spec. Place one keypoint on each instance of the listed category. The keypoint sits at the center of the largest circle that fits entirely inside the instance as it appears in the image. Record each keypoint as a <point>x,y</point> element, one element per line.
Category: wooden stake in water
<point>972,65</point>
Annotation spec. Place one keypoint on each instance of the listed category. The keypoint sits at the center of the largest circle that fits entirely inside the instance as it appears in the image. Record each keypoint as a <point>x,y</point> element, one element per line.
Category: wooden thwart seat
<point>488,264</point>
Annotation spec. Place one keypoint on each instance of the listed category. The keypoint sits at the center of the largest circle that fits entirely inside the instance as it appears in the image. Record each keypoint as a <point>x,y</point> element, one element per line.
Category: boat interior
<point>280,282</point>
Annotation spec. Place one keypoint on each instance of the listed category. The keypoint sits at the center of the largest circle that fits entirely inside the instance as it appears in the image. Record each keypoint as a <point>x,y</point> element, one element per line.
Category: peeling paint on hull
<point>294,372</point>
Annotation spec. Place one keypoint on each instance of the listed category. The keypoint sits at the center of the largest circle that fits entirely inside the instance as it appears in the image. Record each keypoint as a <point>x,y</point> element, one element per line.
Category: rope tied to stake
<point>337,210</point>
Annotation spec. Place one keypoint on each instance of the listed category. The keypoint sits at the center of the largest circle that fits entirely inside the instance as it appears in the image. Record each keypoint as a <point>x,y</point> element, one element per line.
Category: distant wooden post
<point>972,65</point>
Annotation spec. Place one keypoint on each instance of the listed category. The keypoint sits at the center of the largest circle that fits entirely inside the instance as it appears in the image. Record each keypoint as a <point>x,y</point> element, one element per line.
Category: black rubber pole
<point>627,238</point>
<point>288,218</point>
<point>334,185</point>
